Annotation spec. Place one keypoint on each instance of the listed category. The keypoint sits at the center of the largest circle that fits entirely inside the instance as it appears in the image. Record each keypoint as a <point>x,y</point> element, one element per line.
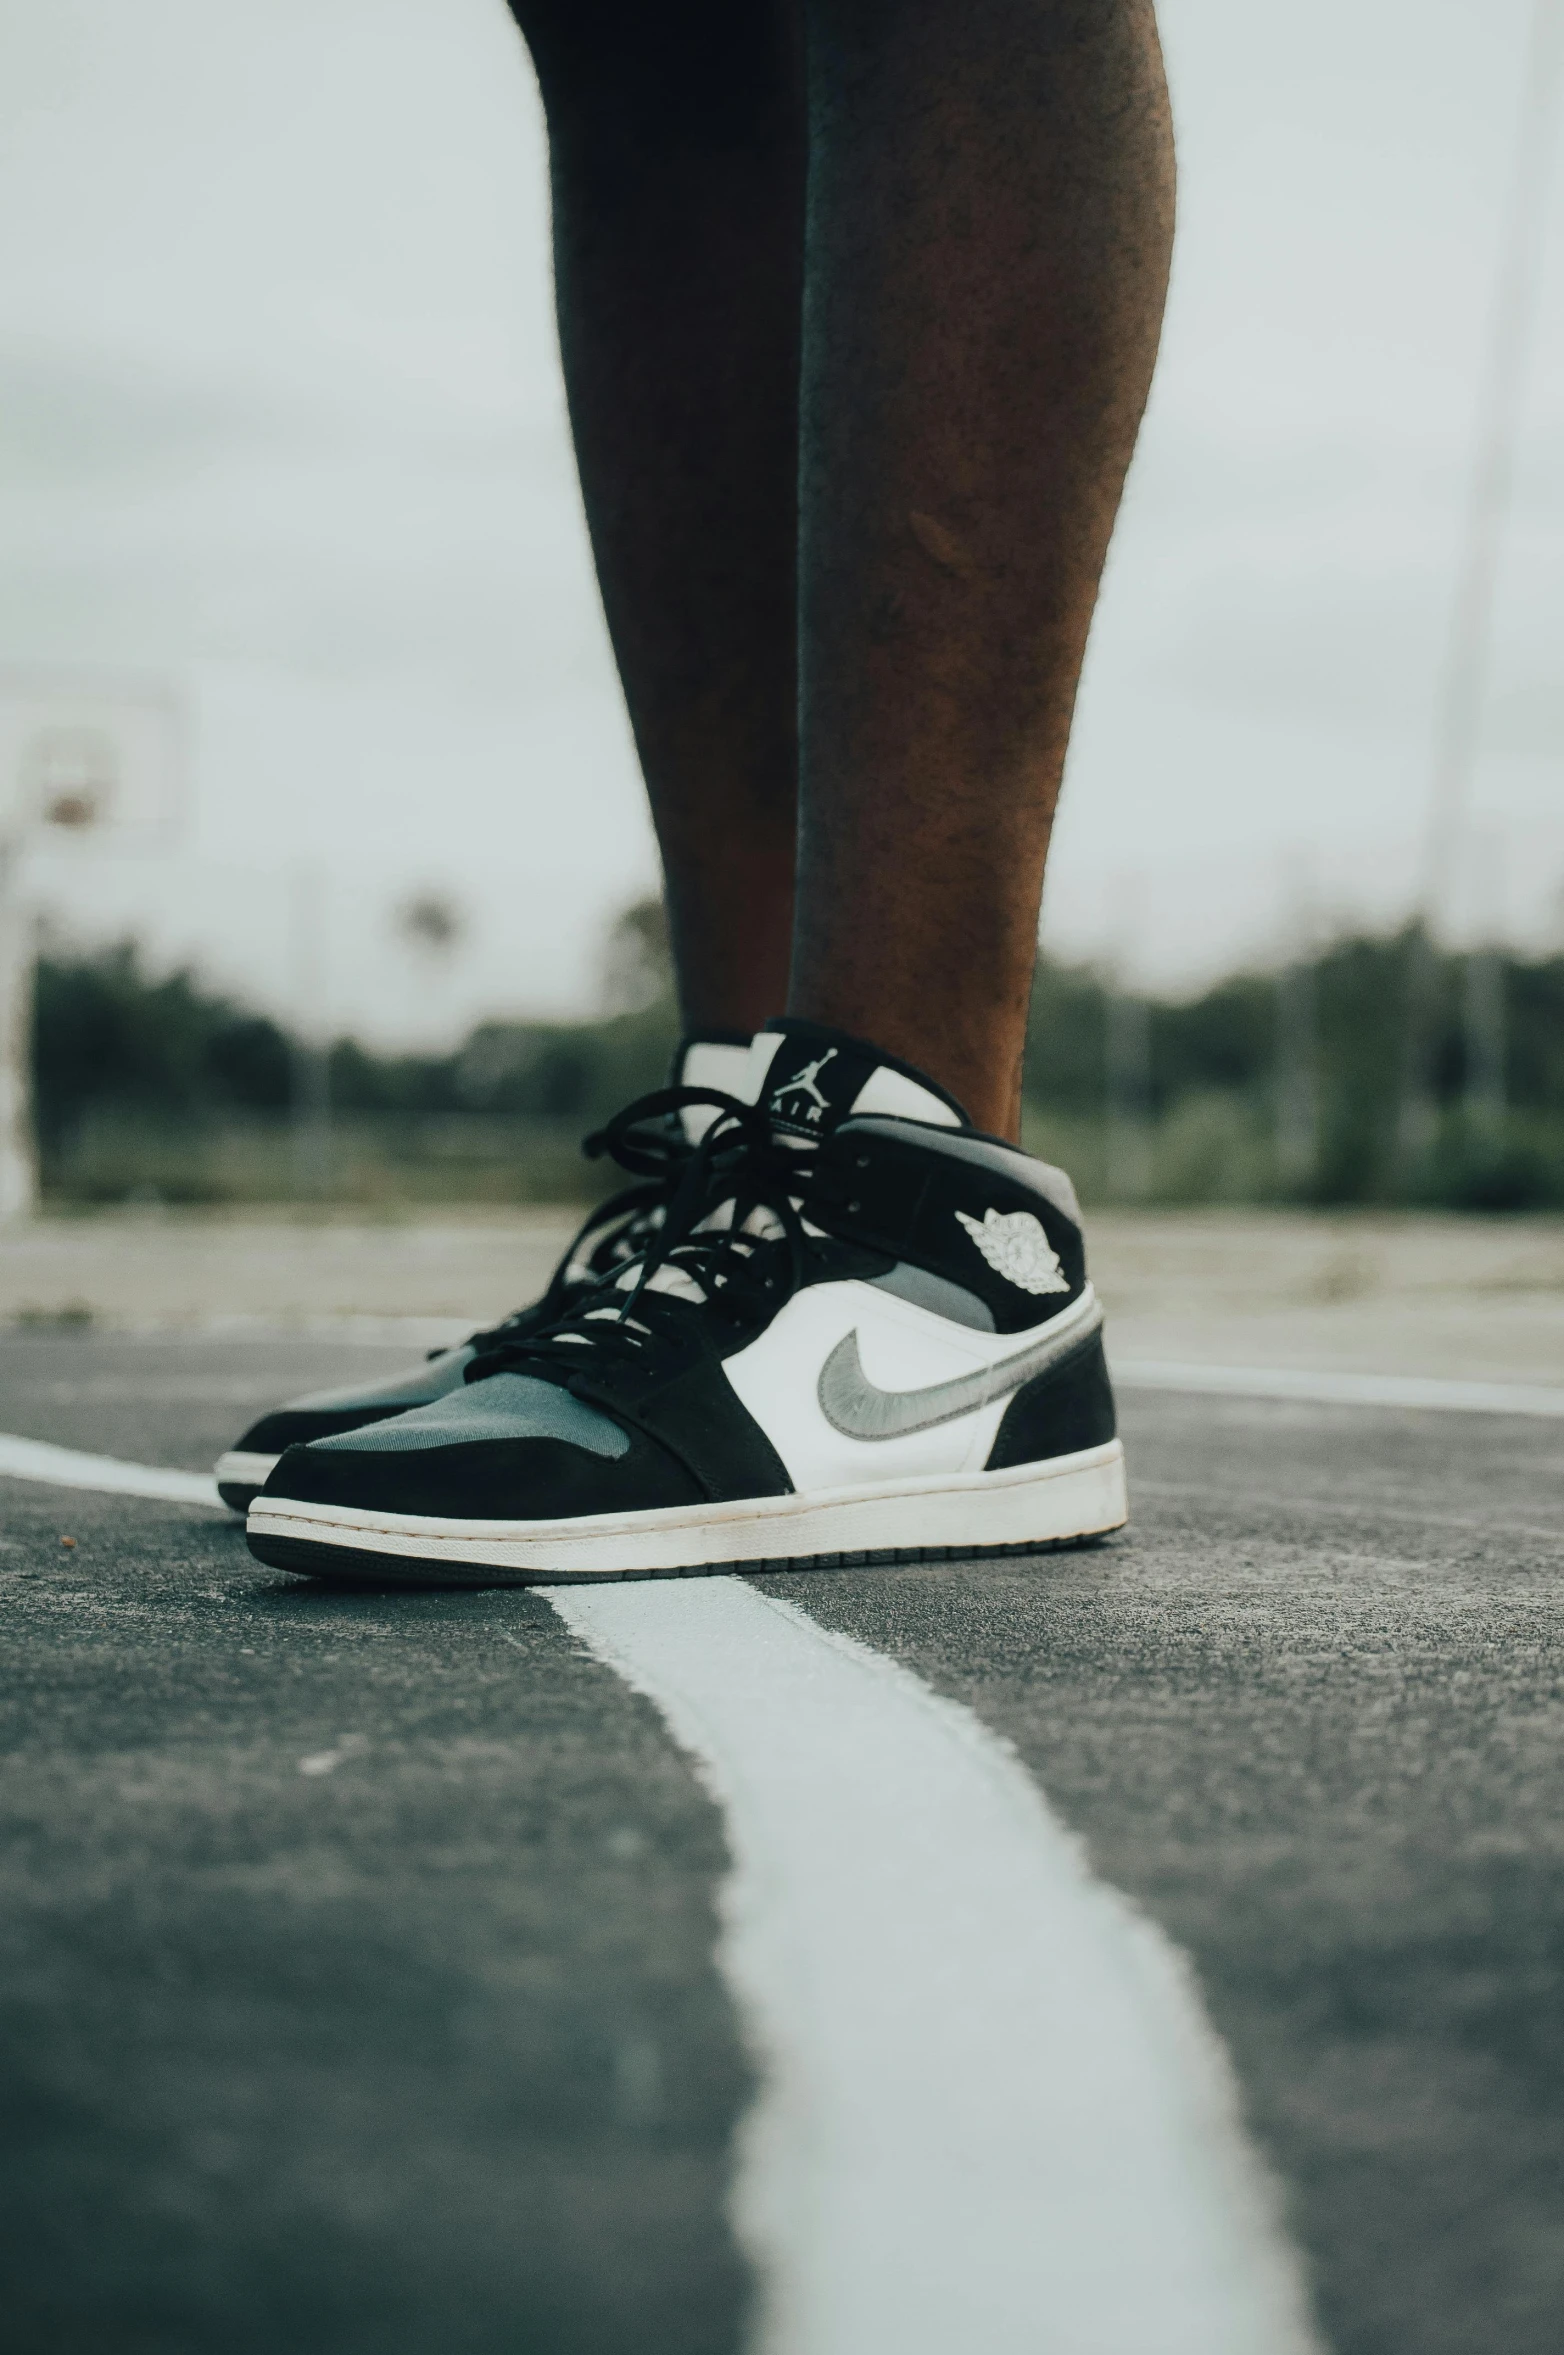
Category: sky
<point>281,431</point>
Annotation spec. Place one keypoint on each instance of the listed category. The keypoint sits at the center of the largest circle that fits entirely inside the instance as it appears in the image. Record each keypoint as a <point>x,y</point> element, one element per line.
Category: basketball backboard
<point>89,758</point>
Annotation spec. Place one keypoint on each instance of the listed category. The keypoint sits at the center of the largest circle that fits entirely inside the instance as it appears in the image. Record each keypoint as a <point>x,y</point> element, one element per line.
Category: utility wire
<point>1468,655</point>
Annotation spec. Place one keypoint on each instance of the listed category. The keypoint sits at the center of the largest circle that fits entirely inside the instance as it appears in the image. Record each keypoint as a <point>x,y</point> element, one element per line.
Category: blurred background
<point>320,830</point>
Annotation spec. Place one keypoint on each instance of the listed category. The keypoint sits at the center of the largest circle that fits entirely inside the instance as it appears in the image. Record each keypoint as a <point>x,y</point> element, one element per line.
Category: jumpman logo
<point>807,1084</point>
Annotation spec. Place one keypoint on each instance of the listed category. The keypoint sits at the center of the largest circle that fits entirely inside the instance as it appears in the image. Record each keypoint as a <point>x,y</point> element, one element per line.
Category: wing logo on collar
<point>1015,1246</point>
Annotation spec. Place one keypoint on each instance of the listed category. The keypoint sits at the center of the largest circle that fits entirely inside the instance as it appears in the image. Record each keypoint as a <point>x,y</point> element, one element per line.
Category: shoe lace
<point>622,1224</point>
<point>732,1239</point>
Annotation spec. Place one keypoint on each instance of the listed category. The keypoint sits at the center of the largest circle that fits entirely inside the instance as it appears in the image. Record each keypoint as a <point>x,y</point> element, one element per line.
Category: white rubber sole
<point>244,1474</point>
<point>939,1516</point>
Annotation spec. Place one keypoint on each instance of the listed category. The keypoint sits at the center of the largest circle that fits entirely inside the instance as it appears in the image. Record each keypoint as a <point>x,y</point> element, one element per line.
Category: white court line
<point>67,1467</point>
<point>1338,1389</point>
<point>414,1332</point>
<point>417,1333</point>
<point>992,2116</point>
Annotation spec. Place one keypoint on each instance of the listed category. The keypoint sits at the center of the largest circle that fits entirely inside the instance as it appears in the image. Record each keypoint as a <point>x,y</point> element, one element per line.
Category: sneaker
<point>614,1233</point>
<point>862,1333</point>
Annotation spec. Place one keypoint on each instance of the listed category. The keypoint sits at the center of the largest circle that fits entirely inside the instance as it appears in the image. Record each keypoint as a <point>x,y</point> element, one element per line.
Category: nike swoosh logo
<point>859,1409</point>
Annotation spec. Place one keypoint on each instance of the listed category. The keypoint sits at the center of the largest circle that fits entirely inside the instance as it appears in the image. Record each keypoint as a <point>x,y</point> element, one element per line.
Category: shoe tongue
<point>711,1063</point>
<point>811,1079</point>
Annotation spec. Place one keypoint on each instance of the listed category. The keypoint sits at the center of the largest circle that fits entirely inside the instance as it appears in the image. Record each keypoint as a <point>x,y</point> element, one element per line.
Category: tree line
<point>1199,1092</point>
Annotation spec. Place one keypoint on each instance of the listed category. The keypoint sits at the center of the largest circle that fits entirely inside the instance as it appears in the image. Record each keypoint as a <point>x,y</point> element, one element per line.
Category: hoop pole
<point>18,1157</point>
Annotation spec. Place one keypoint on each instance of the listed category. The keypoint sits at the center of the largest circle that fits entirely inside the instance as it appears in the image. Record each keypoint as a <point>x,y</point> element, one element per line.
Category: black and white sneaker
<point>863,1332</point>
<point>613,1234</point>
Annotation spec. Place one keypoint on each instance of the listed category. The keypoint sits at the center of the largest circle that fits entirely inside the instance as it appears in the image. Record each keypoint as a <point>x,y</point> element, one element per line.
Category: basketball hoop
<point>86,759</point>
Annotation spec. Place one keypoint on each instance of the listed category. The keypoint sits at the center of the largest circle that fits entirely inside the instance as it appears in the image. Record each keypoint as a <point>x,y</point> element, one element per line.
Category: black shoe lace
<point>740,1269</point>
<point>623,1223</point>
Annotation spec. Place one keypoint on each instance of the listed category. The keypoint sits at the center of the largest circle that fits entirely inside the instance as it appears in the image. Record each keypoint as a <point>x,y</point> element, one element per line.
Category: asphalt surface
<point>355,1952</point>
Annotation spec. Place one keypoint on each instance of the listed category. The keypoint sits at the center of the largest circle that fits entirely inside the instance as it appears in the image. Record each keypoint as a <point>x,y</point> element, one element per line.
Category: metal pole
<point>1297,1107</point>
<point>18,1156</point>
<point>1464,680</point>
<point>311,1079</point>
<point>1483,1006</point>
<point>1128,1075</point>
<point>1485,1024</point>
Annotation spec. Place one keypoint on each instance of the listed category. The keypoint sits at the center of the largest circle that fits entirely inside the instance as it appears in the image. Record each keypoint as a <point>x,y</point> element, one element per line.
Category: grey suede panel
<point>937,1293</point>
<point>503,1406</point>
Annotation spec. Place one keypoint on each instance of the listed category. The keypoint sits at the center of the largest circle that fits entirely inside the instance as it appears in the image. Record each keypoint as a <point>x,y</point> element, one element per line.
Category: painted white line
<point>1340,1389</point>
<point>378,1332</point>
<point>375,1332</point>
<point>992,2115</point>
<point>67,1467</point>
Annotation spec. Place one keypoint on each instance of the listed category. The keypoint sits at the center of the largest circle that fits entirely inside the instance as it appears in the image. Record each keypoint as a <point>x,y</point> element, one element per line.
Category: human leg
<point>988,232</point>
<point>676,158</point>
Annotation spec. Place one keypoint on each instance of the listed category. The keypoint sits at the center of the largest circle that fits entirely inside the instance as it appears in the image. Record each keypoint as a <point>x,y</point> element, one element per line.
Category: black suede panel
<point>1057,1413</point>
<point>490,1480</point>
<point>900,1195</point>
<point>694,1412</point>
<point>291,1426</point>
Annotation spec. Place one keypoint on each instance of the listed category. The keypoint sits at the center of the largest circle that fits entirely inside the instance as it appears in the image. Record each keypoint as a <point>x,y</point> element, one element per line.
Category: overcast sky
<point>280,422</point>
